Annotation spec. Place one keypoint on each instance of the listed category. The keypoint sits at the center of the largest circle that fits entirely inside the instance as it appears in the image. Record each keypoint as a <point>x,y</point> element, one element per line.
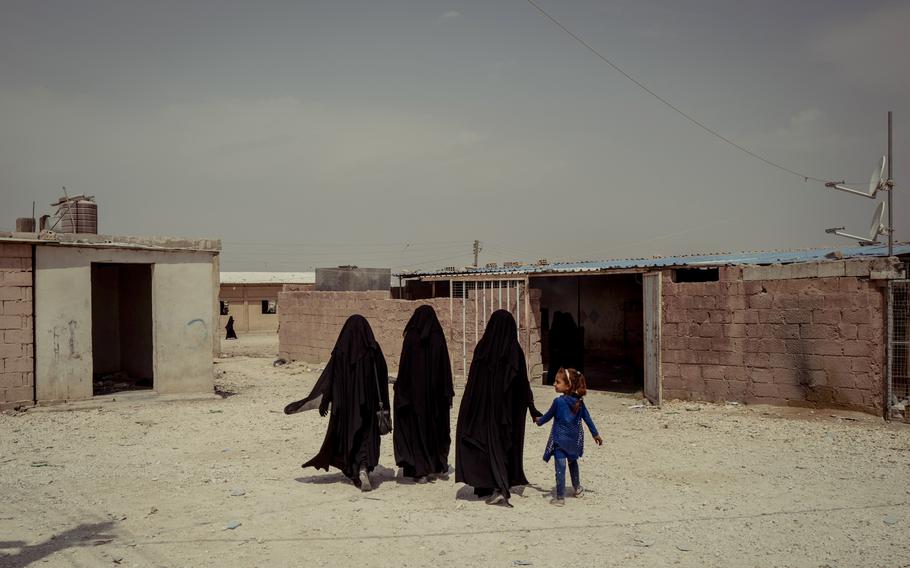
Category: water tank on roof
<point>77,215</point>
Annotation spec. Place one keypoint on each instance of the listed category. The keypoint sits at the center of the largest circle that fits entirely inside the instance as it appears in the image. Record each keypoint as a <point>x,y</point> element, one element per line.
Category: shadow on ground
<point>90,534</point>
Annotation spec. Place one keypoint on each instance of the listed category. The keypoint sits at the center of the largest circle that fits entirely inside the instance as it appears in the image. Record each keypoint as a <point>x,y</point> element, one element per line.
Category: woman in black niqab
<point>491,420</point>
<point>229,329</point>
<point>423,397</point>
<point>353,382</point>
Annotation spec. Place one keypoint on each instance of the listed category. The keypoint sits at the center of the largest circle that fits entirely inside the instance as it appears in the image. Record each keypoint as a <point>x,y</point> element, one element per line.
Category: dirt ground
<point>140,483</point>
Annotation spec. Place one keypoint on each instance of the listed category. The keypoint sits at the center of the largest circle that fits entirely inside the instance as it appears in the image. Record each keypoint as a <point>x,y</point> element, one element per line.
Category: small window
<point>225,307</point>
<point>696,275</point>
<point>269,306</point>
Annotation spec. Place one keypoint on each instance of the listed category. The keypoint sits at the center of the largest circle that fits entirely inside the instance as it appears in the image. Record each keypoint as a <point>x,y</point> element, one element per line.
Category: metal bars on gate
<point>897,390</point>
<point>488,297</point>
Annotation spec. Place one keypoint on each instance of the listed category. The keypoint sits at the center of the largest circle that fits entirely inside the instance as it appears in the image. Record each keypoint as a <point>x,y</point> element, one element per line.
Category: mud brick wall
<point>310,321</point>
<point>17,377</point>
<point>802,336</point>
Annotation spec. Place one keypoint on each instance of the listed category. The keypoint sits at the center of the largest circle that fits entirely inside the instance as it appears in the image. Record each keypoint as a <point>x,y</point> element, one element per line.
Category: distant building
<point>252,297</point>
<point>85,315</point>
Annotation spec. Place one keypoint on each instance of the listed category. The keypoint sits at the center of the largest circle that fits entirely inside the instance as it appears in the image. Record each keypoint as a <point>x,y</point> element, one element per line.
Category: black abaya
<point>229,328</point>
<point>349,385</point>
<point>491,419</point>
<point>423,397</point>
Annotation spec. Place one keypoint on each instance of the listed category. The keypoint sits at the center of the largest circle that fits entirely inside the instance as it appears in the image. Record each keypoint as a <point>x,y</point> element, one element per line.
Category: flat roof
<point>50,238</point>
<point>695,260</point>
<point>268,277</point>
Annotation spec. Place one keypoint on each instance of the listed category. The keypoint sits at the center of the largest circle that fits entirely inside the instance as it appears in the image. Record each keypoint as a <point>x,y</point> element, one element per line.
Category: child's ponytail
<point>578,387</point>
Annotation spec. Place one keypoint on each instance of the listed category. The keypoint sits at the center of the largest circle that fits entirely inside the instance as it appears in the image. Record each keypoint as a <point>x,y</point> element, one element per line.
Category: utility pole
<point>890,193</point>
<point>478,248</point>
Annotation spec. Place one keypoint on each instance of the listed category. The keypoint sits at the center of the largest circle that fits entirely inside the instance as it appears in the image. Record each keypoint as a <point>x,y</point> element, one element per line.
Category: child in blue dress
<point>567,441</point>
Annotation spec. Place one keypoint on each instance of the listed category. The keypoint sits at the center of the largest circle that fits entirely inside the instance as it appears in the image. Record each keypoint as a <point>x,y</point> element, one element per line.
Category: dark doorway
<point>121,327</point>
<point>608,314</point>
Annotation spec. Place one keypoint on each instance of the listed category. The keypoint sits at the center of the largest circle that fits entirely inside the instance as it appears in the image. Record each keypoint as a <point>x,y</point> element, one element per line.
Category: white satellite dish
<point>877,182</point>
<point>878,228</point>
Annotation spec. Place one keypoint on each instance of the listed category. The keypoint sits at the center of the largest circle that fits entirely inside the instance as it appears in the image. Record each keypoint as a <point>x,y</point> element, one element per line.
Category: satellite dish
<point>877,181</point>
<point>878,223</point>
<point>878,228</point>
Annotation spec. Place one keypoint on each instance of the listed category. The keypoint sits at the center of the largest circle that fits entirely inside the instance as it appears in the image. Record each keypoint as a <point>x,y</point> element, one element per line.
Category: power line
<point>675,108</point>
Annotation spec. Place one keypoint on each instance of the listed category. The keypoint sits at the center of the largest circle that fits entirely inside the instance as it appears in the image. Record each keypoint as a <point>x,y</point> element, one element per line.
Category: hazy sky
<point>311,134</point>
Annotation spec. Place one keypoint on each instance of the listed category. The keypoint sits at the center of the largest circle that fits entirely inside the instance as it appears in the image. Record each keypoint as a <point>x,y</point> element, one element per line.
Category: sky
<point>395,133</point>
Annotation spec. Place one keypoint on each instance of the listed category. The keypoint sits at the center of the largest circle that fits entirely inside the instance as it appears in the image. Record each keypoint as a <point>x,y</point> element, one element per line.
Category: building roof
<point>50,238</point>
<point>696,260</point>
<point>268,277</point>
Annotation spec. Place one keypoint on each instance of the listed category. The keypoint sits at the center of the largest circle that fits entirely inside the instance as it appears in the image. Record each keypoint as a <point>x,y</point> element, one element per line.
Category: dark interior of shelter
<point>595,323</point>
<point>121,328</point>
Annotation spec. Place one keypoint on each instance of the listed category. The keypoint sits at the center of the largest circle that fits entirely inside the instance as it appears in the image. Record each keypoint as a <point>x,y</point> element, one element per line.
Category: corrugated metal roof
<point>696,260</point>
<point>268,277</point>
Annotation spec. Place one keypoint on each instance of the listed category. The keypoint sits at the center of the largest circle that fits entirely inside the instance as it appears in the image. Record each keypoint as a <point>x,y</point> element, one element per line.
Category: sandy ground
<point>138,483</point>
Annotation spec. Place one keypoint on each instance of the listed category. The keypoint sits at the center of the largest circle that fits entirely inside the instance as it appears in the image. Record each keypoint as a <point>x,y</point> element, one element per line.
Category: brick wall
<point>800,340</point>
<point>17,377</point>
<point>309,324</point>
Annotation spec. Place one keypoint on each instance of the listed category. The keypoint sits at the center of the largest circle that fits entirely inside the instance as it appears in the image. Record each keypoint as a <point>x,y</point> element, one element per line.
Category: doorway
<point>122,345</point>
<point>599,320</point>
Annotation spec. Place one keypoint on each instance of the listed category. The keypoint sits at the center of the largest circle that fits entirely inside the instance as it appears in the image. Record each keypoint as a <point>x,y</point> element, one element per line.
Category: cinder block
<point>858,348</point>
<point>826,317</point>
<point>11,322</point>
<point>13,308</point>
<point>816,331</point>
<point>18,394</point>
<point>859,268</point>
<point>15,250</point>
<point>17,278</point>
<point>831,269</point>
<point>797,316</point>
<point>10,350</point>
<point>10,292</point>
<point>823,346</point>
<point>847,330</point>
<point>765,389</point>
<point>756,359</point>
<point>760,301</point>
<point>857,316</point>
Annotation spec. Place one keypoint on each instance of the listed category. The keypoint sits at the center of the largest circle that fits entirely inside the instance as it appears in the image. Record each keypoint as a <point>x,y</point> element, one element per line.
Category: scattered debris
<point>232,525</point>
<point>152,511</point>
<point>643,542</point>
<point>693,408</point>
<point>522,563</point>
<point>634,406</point>
<point>215,411</point>
<point>280,362</point>
<point>238,493</point>
<point>223,393</point>
<point>889,520</point>
<point>683,548</point>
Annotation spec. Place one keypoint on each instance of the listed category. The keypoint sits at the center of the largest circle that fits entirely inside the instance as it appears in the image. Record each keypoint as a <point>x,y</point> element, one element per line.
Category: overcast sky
<point>393,133</point>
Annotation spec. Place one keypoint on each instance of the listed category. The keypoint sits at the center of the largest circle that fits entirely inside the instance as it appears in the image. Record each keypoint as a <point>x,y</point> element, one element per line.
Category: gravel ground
<point>144,483</point>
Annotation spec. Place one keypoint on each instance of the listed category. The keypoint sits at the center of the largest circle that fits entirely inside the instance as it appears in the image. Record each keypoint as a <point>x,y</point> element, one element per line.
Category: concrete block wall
<point>17,379</point>
<point>310,321</point>
<point>790,337</point>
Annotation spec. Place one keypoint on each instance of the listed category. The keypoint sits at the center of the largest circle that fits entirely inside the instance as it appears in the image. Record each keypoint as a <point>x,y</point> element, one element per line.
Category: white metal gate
<point>651,291</point>
<point>472,302</point>
<point>897,392</point>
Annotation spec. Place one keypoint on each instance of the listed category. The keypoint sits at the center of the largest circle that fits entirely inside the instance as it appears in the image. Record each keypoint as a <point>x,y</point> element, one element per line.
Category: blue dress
<point>567,435</point>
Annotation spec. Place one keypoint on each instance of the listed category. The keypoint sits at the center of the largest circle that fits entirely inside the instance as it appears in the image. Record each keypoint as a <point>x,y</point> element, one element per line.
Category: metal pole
<point>499,283</point>
<point>509,295</point>
<point>890,192</point>
<point>518,308</point>
<point>476,315</point>
<point>464,339</point>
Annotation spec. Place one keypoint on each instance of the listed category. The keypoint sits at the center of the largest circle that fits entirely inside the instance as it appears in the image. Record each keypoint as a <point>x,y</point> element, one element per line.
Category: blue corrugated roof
<point>715,259</point>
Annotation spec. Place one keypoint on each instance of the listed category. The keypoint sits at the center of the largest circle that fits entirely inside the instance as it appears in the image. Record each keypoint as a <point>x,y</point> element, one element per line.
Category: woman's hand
<point>599,440</point>
<point>534,420</point>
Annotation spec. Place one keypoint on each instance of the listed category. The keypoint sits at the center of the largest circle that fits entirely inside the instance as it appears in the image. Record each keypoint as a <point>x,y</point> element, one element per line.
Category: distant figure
<point>491,420</point>
<point>354,381</point>
<point>231,334</point>
<point>566,349</point>
<point>567,437</point>
<point>423,397</point>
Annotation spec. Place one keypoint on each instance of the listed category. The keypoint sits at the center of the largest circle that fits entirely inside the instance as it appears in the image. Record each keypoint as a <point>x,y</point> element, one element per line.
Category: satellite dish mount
<point>878,181</point>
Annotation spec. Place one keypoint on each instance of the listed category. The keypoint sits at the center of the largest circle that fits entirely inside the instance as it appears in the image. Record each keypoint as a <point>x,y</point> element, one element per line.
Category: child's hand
<point>534,420</point>
<point>599,440</point>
